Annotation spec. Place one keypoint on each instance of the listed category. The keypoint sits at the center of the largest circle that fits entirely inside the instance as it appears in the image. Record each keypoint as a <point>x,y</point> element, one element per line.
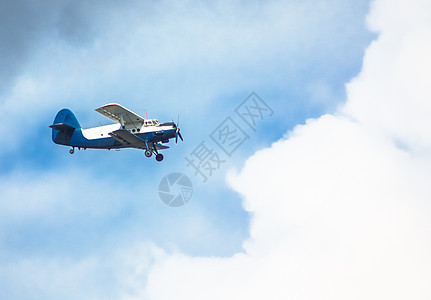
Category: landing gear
<point>71,151</point>
<point>148,153</point>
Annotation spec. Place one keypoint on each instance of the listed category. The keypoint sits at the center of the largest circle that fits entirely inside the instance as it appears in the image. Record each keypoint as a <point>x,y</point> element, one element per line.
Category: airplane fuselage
<point>99,138</point>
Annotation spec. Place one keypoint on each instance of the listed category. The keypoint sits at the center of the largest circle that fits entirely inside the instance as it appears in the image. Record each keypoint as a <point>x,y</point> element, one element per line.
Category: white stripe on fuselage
<point>99,132</point>
<point>104,131</point>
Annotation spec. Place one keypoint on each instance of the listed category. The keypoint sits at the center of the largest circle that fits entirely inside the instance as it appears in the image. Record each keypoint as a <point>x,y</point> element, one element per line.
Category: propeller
<point>177,131</point>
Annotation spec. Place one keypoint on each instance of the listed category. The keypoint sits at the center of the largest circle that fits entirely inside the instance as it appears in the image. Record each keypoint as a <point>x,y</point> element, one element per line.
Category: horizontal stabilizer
<point>62,127</point>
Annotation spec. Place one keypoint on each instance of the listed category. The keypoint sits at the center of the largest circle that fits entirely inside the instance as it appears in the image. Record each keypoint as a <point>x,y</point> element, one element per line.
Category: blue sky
<point>70,214</point>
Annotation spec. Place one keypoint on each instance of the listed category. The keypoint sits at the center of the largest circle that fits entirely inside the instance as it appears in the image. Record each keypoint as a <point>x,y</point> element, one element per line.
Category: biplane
<point>130,131</point>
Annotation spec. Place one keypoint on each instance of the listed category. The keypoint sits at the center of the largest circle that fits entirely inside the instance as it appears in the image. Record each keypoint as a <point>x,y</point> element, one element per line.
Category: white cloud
<point>98,276</point>
<point>56,195</point>
<point>392,92</point>
<point>339,209</point>
<point>337,213</point>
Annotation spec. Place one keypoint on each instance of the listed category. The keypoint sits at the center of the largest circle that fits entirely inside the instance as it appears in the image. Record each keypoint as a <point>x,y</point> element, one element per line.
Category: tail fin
<point>64,126</point>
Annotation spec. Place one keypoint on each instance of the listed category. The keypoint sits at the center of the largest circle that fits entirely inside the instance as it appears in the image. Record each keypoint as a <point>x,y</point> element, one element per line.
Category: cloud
<point>339,209</point>
<point>54,195</point>
<point>170,55</point>
<point>67,234</point>
<point>100,276</point>
<point>26,26</point>
<point>392,93</point>
<point>183,56</point>
<point>349,220</point>
<point>19,28</point>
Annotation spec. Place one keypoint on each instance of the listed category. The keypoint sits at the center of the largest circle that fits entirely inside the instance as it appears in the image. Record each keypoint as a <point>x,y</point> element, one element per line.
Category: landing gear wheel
<point>71,151</point>
<point>148,153</point>
<point>159,157</point>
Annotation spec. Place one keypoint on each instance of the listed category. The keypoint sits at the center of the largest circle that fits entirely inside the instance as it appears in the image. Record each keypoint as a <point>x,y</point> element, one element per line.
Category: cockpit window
<point>151,123</point>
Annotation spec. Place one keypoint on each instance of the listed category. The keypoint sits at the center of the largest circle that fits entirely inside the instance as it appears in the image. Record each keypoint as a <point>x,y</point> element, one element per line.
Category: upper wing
<point>120,114</point>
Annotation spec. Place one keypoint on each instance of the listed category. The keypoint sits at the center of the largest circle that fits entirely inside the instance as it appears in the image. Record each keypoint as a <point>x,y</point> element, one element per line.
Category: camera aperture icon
<point>175,189</point>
